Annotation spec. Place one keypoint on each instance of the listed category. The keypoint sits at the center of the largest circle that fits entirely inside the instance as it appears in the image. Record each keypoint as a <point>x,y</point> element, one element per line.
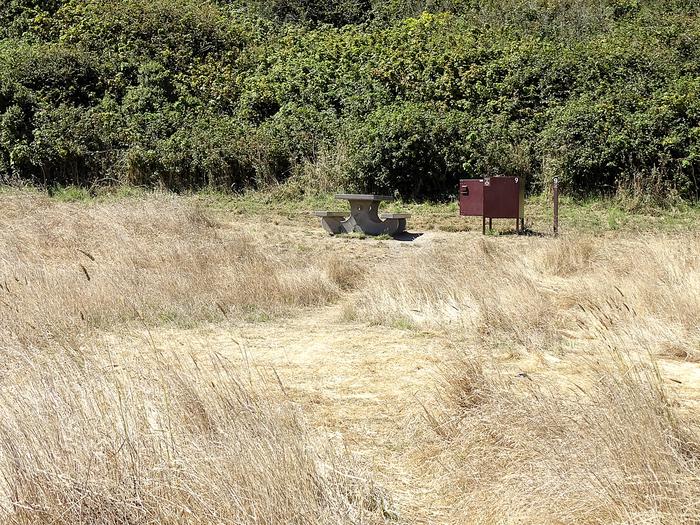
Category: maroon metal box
<point>504,198</point>
<point>493,198</point>
<point>471,197</point>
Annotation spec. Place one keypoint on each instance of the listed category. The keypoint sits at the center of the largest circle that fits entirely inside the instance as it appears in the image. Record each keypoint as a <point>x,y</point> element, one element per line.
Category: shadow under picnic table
<point>406,236</point>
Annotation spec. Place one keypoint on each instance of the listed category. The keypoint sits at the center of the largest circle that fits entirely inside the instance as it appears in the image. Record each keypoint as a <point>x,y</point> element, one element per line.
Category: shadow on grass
<point>406,236</point>
<point>527,232</point>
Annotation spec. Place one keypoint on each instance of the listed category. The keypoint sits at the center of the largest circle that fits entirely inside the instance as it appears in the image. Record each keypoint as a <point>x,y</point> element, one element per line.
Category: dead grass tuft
<point>345,275</point>
<point>606,447</point>
<point>569,255</point>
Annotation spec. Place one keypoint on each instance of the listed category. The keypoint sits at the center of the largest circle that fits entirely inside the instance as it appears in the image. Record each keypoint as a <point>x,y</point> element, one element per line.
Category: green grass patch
<point>70,193</point>
<point>586,215</point>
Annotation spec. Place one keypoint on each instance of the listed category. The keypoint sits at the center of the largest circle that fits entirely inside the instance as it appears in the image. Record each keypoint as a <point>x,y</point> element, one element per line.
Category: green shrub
<point>410,148</point>
<point>601,144</point>
<point>229,94</point>
<point>335,12</point>
<point>17,17</point>
<point>205,152</point>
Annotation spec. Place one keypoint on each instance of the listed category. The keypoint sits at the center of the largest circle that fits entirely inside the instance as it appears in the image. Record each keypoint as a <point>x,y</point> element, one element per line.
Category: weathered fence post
<point>555,188</point>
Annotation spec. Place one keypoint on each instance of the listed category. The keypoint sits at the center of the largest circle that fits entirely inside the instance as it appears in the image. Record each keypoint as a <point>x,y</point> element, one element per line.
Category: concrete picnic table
<point>363,216</point>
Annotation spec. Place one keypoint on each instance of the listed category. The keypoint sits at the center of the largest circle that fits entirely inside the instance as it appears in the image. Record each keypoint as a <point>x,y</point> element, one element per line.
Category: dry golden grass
<point>87,436</point>
<point>555,408</point>
<point>603,446</point>
<point>68,268</point>
<point>559,414</point>
<point>95,439</point>
<point>542,295</point>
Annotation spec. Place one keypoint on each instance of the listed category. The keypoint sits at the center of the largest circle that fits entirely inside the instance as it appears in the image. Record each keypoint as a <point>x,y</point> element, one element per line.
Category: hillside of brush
<point>406,96</point>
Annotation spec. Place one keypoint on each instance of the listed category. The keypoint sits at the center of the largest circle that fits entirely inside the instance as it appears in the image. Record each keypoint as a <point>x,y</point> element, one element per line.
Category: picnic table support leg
<point>331,225</point>
<point>364,218</point>
<point>483,225</point>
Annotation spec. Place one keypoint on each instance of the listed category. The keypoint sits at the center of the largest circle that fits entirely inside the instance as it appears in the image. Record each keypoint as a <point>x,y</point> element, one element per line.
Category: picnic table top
<point>361,197</point>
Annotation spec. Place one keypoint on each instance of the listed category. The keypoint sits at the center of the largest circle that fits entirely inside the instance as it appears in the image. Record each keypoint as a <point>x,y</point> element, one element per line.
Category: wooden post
<point>555,187</point>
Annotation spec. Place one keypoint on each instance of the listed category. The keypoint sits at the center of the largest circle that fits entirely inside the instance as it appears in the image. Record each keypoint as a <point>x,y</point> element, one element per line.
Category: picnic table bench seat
<point>332,220</point>
<point>331,213</point>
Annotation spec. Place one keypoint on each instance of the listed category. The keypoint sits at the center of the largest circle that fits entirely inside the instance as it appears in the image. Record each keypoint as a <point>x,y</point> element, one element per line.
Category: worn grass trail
<point>363,388</point>
<point>360,386</point>
<point>366,388</point>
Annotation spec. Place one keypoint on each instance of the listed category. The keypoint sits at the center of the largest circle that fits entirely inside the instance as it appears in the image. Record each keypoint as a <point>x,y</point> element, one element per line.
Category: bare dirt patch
<point>361,387</point>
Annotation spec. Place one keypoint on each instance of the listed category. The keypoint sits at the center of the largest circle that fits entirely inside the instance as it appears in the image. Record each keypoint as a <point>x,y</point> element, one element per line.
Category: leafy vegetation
<point>406,95</point>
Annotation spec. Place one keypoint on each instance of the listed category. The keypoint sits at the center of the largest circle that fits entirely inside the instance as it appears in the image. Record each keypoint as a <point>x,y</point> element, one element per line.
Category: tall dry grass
<point>544,295</point>
<point>603,446</point>
<point>93,439</point>
<point>68,268</point>
<point>89,436</point>
<point>559,413</point>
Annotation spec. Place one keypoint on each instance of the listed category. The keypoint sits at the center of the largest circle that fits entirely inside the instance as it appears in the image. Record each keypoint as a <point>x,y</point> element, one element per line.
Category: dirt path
<point>364,383</point>
<point>358,385</point>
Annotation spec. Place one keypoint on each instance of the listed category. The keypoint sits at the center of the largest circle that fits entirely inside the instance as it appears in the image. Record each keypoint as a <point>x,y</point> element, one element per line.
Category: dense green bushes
<point>336,12</point>
<point>602,93</point>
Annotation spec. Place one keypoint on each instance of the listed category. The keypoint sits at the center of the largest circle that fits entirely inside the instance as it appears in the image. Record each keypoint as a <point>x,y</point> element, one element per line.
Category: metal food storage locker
<point>494,198</point>
<point>471,197</point>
